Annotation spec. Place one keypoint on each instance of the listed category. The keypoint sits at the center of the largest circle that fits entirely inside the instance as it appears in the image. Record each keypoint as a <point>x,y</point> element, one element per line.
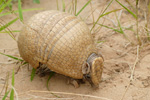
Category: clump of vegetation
<point>6,9</point>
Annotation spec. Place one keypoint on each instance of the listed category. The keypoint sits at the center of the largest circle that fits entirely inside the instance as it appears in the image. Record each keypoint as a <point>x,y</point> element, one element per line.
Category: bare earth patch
<point>119,80</point>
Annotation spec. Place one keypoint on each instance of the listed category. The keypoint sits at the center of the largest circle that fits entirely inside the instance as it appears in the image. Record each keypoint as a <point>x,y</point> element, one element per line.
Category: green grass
<point>72,9</point>
<point>11,57</point>
<point>16,11</point>
<point>50,76</point>
<point>63,5</point>
<point>36,1</point>
<point>12,89</point>
<point>101,15</point>
<point>82,7</point>
<point>12,83</point>
<point>75,7</point>
<point>4,4</point>
<point>6,94</point>
<point>137,24</point>
<point>117,30</point>
<point>20,11</point>
<point>119,25</point>
<point>57,4</point>
<point>33,73</point>
<point>147,23</point>
<point>11,31</point>
<point>135,16</point>
<point>7,25</point>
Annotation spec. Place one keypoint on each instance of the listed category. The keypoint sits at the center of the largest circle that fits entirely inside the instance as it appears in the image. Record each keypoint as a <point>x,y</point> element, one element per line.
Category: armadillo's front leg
<point>75,82</point>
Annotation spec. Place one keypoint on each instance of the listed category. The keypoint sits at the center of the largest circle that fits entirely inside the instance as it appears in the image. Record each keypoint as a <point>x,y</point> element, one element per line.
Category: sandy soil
<point>120,58</point>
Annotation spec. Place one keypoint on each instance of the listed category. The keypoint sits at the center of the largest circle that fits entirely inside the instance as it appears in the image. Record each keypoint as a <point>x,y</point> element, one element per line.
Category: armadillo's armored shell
<point>60,40</point>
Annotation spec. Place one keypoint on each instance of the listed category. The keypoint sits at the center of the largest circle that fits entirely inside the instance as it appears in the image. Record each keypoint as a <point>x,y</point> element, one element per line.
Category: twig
<point>39,97</point>
<point>136,61</point>
<point>65,93</point>
<point>7,62</point>
<point>92,12</point>
<point>125,91</point>
<point>7,49</point>
<point>132,73</point>
<point>5,84</point>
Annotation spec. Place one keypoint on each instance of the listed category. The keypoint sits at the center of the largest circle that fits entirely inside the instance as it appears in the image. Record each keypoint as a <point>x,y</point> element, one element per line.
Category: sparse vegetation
<point>138,42</point>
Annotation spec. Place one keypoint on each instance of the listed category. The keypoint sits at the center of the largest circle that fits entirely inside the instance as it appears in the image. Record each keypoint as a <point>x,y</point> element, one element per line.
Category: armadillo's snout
<point>96,70</point>
<point>96,67</point>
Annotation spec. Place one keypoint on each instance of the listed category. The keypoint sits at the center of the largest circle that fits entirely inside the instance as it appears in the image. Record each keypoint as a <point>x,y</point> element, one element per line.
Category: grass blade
<point>12,83</point>
<point>147,24</point>
<point>36,1</point>
<point>83,8</point>
<point>33,74</point>
<point>137,24</point>
<point>101,41</point>
<point>127,9</point>
<point>75,9</point>
<point>101,15</point>
<point>130,4</point>
<point>109,12</point>
<point>107,6</point>
<point>11,57</point>
<point>20,11</point>
<point>50,76</point>
<point>6,94</point>
<point>23,10</point>
<point>121,30</point>
<point>11,31</point>
<point>57,4</point>
<point>1,1</point>
<point>8,24</point>
<point>104,15</point>
<point>63,2</point>
<point>110,28</point>
<point>5,5</point>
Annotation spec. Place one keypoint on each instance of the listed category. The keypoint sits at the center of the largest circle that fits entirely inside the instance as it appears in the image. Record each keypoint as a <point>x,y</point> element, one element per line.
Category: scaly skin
<point>59,40</point>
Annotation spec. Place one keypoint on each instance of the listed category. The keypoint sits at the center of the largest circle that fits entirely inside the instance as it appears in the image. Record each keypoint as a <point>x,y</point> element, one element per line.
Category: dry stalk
<point>132,72</point>
<point>65,93</point>
<point>92,12</point>
<point>125,91</point>
<point>5,84</point>
<point>7,63</point>
<point>135,63</point>
<point>39,97</point>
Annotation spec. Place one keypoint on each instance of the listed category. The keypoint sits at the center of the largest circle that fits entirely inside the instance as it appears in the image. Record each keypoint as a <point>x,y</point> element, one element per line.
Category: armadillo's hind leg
<point>43,70</point>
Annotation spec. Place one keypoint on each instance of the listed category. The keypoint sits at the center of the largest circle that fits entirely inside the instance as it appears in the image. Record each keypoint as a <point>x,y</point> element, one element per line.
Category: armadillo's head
<point>93,68</point>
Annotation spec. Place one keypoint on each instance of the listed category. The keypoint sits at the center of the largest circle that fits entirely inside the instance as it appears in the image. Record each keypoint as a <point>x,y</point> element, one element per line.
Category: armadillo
<point>64,43</point>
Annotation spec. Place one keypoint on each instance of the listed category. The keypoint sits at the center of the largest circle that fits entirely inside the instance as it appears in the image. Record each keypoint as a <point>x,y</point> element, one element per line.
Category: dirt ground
<point>121,57</point>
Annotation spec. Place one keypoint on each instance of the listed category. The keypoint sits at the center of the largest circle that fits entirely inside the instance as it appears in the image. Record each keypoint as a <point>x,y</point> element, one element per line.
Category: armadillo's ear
<point>86,68</point>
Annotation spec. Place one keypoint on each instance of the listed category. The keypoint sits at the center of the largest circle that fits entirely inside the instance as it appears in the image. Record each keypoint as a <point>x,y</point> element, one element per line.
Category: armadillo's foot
<point>43,70</point>
<point>75,82</point>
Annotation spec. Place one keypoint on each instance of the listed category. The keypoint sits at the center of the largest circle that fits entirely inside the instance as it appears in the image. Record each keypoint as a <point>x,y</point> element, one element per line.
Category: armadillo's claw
<point>73,82</point>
